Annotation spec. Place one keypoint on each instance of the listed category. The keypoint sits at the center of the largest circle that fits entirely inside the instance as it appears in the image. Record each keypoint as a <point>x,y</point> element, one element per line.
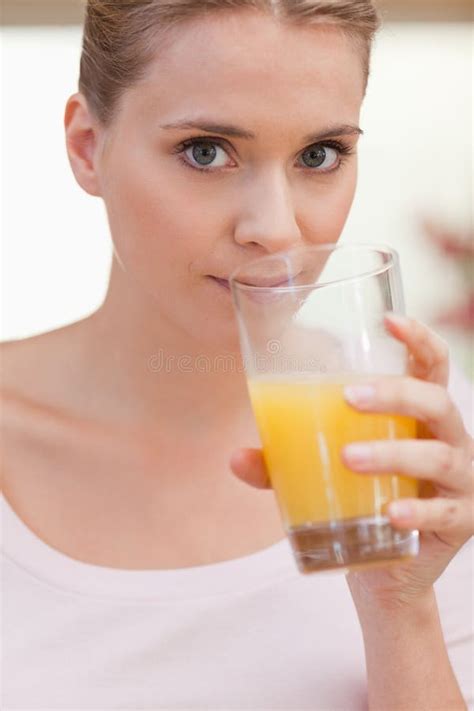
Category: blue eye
<point>321,156</point>
<point>204,154</point>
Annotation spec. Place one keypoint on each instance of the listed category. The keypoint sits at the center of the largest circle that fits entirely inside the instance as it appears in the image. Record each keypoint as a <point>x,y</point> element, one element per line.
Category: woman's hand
<point>442,459</point>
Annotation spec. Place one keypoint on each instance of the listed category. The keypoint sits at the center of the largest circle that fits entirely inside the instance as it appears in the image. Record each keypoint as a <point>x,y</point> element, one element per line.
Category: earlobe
<point>82,143</point>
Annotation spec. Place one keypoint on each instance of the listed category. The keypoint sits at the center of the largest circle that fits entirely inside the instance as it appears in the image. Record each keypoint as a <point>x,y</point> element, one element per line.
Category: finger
<point>429,353</point>
<point>429,460</point>
<point>249,466</point>
<point>444,516</point>
<point>428,403</point>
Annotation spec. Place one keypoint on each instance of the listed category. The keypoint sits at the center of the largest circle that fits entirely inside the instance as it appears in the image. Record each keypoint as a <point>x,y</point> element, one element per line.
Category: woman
<point>139,573</point>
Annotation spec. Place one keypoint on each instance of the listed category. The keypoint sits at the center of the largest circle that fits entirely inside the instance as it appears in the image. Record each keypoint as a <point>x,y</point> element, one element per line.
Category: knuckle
<point>438,345</point>
<point>448,405</point>
<point>443,349</point>
<point>446,458</point>
<point>441,343</point>
<point>450,515</point>
<point>445,405</point>
<point>404,393</point>
<point>400,391</point>
<point>414,326</point>
<point>385,454</point>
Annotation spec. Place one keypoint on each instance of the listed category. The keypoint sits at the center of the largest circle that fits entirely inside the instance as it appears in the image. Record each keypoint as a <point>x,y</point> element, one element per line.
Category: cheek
<point>328,206</point>
<point>158,232</point>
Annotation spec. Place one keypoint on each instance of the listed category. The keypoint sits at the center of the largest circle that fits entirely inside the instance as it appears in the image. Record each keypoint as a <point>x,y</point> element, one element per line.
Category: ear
<point>82,143</point>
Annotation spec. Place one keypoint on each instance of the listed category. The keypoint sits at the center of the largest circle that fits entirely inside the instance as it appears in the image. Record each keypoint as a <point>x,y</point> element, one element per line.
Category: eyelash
<point>343,149</point>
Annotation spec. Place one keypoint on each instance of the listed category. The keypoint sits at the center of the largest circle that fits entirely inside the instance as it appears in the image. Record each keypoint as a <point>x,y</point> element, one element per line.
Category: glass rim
<point>380,248</point>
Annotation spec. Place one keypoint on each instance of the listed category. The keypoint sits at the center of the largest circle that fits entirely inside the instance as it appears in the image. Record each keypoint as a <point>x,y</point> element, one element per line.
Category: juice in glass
<point>327,509</point>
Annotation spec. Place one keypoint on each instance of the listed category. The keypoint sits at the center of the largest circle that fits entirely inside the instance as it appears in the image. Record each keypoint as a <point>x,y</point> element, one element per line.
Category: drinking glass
<point>311,321</point>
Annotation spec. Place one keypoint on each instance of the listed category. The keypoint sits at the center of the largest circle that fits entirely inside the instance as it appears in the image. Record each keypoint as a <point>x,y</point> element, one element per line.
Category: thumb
<point>249,466</point>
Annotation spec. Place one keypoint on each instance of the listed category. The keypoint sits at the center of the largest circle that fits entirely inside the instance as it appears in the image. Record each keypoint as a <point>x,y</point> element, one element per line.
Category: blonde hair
<point>120,35</point>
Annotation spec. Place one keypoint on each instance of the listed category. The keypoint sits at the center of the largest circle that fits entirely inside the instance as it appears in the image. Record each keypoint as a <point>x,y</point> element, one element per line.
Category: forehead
<point>248,64</point>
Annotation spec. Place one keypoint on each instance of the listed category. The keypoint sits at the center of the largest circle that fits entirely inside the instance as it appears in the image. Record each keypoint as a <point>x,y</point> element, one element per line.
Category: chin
<point>212,320</point>
<point>216,333</point>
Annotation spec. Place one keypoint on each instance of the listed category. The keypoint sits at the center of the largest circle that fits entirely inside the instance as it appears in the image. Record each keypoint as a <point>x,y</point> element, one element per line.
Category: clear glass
<point>310,322</point>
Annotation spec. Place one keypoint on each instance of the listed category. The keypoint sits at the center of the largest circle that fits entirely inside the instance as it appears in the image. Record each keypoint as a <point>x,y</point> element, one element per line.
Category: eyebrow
<point>208,126</point>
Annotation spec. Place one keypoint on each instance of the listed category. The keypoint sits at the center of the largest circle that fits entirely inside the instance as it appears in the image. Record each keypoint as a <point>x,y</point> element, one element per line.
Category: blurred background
<point>415,185</point>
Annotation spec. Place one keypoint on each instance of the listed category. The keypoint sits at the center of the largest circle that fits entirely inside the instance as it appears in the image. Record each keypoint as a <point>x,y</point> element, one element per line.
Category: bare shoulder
<point>33,394</point>
<point>27,364</point>
<point>43,369</point>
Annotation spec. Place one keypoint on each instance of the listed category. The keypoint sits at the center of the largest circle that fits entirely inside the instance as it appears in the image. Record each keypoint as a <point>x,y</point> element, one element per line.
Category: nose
<point>268,215</point>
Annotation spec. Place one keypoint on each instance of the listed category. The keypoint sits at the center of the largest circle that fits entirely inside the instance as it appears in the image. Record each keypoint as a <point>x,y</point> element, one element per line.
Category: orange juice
<point>304,423</point>
<point>303,426</point>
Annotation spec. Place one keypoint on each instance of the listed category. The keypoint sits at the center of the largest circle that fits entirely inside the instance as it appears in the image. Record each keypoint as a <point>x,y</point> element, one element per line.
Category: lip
<point>222,282</point>
<point>265,283</point>
<point>271,283</point>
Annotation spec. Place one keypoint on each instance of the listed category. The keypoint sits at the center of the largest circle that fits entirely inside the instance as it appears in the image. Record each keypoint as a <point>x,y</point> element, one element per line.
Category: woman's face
<point>269,165</point>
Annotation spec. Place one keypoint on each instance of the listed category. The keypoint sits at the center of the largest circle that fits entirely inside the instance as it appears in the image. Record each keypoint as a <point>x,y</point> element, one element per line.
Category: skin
<point>154,442</point>
<point>91,421</point>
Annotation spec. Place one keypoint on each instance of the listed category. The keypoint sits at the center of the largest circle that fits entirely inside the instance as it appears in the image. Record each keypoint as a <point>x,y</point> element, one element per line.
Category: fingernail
<point>401,509</point>
<point>359,455</point>
<point>397,319</point>
<point>360,394</point>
